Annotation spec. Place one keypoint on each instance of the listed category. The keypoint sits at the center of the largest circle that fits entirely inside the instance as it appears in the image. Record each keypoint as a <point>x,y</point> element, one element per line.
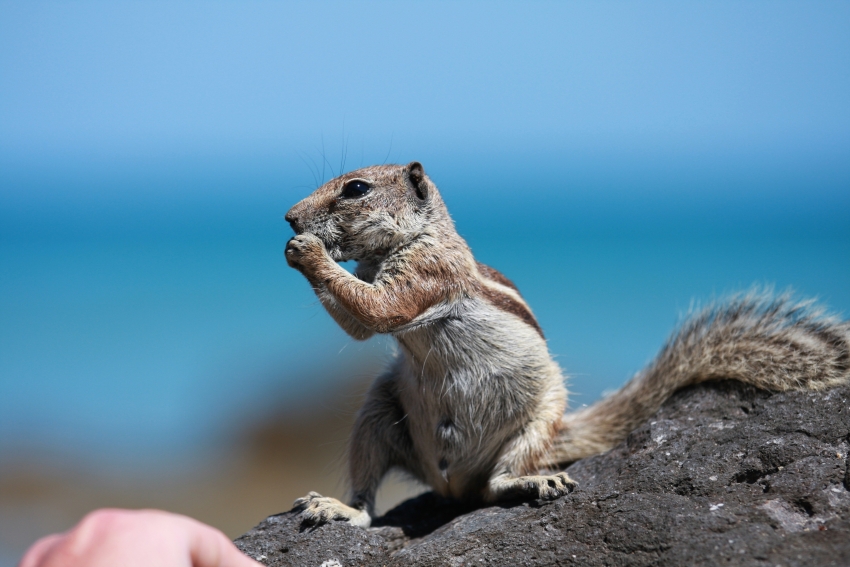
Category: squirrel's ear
<point>416,179</point>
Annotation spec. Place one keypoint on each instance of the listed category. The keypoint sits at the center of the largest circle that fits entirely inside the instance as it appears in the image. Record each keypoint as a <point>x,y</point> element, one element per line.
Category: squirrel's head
<point>366,213</point>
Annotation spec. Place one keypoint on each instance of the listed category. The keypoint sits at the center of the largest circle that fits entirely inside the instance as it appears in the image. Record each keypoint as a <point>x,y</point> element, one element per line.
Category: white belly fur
<point>466,391</point>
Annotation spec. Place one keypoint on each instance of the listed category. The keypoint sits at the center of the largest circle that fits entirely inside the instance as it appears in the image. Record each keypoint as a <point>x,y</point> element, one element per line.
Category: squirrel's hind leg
<point>515,474</point>
<point>379,442</point>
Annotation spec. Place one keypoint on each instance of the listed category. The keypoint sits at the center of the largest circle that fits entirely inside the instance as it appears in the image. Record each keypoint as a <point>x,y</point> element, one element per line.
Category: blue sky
<point>106,80</point>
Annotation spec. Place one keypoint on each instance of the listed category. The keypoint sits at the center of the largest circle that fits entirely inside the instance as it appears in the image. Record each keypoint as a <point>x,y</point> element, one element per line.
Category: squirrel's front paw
<point>317,510</point>
<point>304,250</point>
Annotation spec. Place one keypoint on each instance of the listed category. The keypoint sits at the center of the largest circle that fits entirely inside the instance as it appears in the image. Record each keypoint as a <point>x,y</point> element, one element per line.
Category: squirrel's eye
<point>355,188</point>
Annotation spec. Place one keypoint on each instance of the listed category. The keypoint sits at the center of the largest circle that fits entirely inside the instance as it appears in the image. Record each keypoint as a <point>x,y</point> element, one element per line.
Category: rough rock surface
<point>723,474</point>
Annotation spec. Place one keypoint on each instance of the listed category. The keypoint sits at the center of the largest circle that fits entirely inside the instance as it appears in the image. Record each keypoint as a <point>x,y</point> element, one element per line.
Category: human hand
<point>136,538</point>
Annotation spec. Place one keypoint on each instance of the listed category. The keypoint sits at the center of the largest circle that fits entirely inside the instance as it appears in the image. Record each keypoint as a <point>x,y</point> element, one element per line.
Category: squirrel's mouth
<point>331,244</point>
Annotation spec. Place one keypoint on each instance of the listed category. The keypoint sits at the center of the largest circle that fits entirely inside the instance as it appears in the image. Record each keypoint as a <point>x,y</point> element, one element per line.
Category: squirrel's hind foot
<point>544,487</point>
<point>317,510</point>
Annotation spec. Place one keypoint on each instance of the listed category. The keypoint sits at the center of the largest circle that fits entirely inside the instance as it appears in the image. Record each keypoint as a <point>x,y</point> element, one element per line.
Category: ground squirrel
<point>474,405</point>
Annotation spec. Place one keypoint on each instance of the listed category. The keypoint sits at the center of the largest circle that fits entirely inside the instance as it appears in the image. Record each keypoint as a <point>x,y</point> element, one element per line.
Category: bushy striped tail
<point>770,342</point>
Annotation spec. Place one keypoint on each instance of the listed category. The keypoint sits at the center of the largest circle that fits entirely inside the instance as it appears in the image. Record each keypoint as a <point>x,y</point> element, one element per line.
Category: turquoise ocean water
<point>151,314</point>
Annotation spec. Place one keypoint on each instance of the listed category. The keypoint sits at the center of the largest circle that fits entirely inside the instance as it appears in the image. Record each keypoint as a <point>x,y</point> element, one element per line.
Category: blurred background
<point>618,161</point>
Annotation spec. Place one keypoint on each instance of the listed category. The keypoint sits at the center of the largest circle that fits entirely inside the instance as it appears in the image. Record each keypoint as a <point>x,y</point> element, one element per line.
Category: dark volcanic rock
<point>723,474</point>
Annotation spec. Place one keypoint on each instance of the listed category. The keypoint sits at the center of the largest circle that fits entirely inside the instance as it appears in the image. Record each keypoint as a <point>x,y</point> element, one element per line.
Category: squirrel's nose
<point>292,219</point>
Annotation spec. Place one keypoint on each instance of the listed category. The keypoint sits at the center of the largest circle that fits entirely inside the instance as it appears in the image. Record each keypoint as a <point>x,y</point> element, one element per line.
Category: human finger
<point>211,548</point>
<point>39,550</point>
